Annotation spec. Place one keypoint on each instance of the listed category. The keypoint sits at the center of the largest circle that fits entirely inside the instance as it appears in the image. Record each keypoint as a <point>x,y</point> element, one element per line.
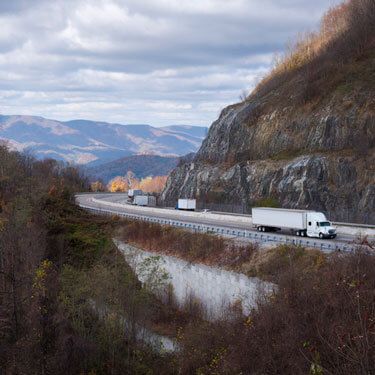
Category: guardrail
<point>188,214</point>
<point>340,224</point>
<point>337,223</point>
<point>225,231</point>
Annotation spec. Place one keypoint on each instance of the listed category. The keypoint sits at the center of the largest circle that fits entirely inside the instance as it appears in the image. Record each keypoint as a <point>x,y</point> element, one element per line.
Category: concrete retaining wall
<point>216,289</point>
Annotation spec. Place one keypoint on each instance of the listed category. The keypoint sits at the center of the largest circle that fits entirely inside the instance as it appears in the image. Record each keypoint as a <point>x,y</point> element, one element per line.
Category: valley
<point>144,245</point>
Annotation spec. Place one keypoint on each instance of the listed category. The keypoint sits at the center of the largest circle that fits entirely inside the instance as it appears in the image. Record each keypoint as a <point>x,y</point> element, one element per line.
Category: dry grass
<point>318,62</point>
<point>320,317</point>
<point>318,323</point>
<point>194,247</point>
<point>216,251</point>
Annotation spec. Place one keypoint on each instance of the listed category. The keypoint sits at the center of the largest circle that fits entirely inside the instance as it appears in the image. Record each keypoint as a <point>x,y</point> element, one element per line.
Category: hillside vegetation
<point>124,183</point>
<point>340,56</point>
<point>65,291</point>
<point>319,319</point>
<point>64,288</point>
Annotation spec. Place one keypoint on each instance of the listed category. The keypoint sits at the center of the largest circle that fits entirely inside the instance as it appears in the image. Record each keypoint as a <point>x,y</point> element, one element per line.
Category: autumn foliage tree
<point>148,184</point>
<point>153,184</point>
<point>118,184</point>
<point>97,186</point>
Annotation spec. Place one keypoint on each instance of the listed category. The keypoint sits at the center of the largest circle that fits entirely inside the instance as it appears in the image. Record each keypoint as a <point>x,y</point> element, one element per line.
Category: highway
<point>224,224</point>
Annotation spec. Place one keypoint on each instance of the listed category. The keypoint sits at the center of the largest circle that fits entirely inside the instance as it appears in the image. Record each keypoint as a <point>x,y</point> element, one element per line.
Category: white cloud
<point>140,61</point>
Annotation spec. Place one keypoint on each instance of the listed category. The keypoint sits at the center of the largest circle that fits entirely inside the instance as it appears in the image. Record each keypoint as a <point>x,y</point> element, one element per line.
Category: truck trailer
<point>300,222</point>
<point>134,192</point>
<point>145,200</point>
<point>187,204</point>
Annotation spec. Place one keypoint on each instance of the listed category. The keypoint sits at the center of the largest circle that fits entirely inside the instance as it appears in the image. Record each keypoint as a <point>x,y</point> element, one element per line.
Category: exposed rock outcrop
<point>319,158</point>
<point>305,138</point>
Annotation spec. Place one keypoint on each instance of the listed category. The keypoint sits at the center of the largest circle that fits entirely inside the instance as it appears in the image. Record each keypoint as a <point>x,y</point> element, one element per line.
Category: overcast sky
<point>160,62</point>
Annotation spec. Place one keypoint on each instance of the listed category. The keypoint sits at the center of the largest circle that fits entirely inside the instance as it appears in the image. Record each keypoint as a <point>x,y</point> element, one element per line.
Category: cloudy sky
<point>141,61</point>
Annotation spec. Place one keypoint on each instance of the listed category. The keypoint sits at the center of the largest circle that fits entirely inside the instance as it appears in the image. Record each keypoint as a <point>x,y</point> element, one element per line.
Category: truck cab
<point>319,226</point>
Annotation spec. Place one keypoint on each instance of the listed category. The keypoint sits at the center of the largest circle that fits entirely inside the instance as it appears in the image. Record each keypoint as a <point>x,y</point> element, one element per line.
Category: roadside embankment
<point>206,249</point>
<point>213,288</point>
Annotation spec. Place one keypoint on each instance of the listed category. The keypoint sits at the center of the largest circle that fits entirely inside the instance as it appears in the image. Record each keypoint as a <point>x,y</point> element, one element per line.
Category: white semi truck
<point>300,222</point>
<point>187,204</point>
<point>145,200</point>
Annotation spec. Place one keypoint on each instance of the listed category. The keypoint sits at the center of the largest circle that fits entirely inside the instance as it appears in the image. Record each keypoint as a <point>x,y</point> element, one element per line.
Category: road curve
<point>237,224</point>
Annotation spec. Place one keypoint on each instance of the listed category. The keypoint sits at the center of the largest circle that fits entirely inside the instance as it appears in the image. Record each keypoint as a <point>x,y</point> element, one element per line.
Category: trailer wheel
<point>263,229</point>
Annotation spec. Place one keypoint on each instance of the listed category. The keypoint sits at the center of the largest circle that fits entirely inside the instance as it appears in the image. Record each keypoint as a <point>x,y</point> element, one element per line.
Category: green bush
<point>267,202</point>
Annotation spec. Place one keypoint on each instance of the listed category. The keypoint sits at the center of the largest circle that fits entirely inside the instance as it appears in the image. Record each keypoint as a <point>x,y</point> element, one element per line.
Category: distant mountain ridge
<point>141,165</point>
<point>84,141</point>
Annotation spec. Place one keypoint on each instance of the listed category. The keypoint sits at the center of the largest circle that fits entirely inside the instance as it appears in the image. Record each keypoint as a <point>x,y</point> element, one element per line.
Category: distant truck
<point>300,222</point>
<point>145,200</point>
<point>134,192</point>
<point>187,204</point>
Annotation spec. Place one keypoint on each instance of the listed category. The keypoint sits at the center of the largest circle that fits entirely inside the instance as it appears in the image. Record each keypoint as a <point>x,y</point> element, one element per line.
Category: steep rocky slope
<point>302,142</point>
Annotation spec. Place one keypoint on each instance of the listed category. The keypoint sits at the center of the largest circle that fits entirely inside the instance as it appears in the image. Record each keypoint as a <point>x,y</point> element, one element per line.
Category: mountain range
<point>91,142</point>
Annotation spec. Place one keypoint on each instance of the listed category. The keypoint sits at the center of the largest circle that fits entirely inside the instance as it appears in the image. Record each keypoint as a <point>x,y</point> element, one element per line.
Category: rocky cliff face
<point>318,156</point>
<point>305,138</point>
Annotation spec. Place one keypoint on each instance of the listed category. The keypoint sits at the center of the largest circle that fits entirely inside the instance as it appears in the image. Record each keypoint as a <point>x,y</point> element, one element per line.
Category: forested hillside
<point>73,301</point>
<point>58,268</point>
<point>70,304</point>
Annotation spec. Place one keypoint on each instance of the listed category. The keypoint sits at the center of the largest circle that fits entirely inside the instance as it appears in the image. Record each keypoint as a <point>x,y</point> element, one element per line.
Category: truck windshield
<point>324,224</point>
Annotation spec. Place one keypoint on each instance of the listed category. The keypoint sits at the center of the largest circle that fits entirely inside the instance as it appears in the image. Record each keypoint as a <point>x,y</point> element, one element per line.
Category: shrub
<point>193,247</point>
<point>267,202</point>
<point>315,322</point>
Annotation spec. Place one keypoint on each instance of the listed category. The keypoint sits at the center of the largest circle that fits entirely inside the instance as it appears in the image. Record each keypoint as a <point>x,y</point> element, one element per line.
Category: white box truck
<point>187,204</point>
<point>134,192</point>
<point>300,222</point>
<point>145,200</point>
